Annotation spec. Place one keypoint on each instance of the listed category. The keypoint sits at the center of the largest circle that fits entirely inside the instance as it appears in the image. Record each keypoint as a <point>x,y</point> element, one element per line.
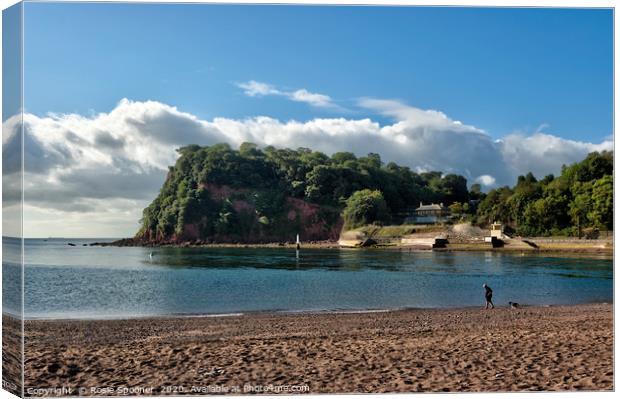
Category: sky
<point>110,90</point>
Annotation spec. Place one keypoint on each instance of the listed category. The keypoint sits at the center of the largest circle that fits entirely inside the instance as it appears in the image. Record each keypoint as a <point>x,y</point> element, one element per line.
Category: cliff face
<point>242,215</point>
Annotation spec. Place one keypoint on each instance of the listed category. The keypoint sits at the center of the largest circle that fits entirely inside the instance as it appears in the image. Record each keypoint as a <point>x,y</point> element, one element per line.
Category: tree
<point>249,150</point>
<point>581,205</point>
<point>245,192</point>
<point>602,212</point>
<point>454,188</point>
<point>371,161</point>
<point>320,183</point>
<point>475,192</point>
<point>342,157</point>
<point>365,207</point>
<point>594,166</point>
<point>495,207</point>
<point>456,208</point>
<point>543,216</point>
<point>526,191</point>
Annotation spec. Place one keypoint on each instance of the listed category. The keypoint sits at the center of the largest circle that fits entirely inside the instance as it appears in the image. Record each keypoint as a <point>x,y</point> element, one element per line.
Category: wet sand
<point>532,348</point>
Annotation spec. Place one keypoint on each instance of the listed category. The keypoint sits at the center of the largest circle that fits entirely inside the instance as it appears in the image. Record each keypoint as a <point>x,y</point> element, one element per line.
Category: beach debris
<point>215,372</point>
<point>71,244</point>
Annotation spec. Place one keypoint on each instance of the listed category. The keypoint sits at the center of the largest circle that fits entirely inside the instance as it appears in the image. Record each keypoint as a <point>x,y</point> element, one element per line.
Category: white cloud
<point>485,180</point>
<point>543,153</point>
<point>86,170</point>
<point>253,88</point>
<point>416,117</point>
<point>314,99</point>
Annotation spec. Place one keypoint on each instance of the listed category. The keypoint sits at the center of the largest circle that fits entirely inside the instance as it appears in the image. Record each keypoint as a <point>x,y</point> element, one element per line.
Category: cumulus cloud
<point>543,153</point>
<point>485,180</point>
<point>253,88</point>
<point>114,163</point>
<point>415,117</point>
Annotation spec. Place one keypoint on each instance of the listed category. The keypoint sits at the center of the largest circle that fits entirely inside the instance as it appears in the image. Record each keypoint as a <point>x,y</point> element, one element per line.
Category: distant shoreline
<point>583,247</point>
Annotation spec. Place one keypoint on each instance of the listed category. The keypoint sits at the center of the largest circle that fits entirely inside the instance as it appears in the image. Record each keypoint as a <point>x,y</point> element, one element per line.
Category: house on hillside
<point>429,214</point>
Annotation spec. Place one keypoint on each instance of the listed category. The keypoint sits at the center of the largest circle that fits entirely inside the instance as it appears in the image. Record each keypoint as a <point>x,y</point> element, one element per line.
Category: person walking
<point>488,296</point>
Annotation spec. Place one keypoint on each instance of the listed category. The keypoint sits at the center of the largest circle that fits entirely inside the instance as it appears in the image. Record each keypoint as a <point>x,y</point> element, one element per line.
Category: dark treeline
<point>366,190</point>
<point>578,201</point>
<point>278,173</point>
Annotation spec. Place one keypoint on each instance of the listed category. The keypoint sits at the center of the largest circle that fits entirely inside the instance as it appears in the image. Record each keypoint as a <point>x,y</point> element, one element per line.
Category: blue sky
<point>111,90</point>
<point>501,70</point>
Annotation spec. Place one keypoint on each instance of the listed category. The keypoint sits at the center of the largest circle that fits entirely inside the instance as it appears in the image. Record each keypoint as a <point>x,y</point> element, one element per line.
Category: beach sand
<point>533,348</point>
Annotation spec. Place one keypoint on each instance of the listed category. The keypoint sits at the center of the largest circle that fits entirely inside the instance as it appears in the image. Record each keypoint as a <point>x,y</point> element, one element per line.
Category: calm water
<point>100,282</point>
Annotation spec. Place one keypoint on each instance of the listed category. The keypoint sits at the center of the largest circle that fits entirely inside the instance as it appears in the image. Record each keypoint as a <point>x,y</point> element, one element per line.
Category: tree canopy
<point>581,197</point>
<point>277,173</point>
<point>359,190</point>
<point>365,207</point>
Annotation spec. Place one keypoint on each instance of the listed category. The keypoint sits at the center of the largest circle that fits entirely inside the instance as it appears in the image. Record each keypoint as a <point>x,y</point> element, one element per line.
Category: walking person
<point>488,296</point>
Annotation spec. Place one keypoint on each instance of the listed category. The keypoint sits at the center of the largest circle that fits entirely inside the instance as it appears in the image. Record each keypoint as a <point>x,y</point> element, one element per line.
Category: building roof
<point>431,207</point>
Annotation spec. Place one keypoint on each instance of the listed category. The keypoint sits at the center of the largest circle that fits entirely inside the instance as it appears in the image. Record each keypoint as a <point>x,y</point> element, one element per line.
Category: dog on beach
<point>514,305</point>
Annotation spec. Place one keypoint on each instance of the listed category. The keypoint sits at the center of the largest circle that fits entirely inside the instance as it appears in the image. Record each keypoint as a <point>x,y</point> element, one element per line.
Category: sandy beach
<point>532,348</point>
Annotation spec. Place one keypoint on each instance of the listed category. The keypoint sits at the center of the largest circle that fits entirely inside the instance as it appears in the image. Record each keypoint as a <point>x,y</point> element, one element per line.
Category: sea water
<point>84,281</point>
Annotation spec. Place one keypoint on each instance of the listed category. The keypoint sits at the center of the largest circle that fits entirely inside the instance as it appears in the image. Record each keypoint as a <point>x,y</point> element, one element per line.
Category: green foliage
<point>459,208</point>
<point>261,183</point>
<point>595,166</point>
<point>580,198</point>
<point>475,192</point>
<point>601,215</point>
<point>495,206</point>
<point>365,207</point>
<point>263,179</point>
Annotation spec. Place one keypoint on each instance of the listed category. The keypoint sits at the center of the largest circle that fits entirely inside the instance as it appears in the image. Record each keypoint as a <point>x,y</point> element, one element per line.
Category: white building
<point>429,214</point>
